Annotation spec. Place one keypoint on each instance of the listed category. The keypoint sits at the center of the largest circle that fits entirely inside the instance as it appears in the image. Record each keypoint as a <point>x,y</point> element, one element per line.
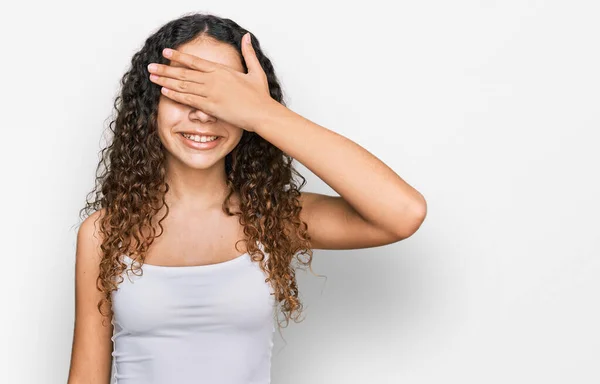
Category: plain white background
<point>489,108</point>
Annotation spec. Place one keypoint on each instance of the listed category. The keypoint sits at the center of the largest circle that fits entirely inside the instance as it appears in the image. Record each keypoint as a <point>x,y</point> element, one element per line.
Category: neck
<point>196,188</point>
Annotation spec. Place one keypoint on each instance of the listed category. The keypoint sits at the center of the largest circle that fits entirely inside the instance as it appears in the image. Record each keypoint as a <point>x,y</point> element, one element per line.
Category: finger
<point>181,86</point>
<point>250,55</point>
<point>191,61</point>
<point>180,73</point>
<point>198,102</point>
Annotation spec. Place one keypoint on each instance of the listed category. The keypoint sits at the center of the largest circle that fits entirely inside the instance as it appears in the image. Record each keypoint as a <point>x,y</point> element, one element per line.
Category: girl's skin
<point>207,90</point>
<point>375,206</point>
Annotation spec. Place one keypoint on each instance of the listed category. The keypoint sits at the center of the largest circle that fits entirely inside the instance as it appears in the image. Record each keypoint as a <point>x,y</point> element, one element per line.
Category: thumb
<point>249,55</point>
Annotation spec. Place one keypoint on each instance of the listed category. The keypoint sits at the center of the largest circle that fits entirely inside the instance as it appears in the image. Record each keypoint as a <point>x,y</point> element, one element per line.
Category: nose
<point>201,116</point>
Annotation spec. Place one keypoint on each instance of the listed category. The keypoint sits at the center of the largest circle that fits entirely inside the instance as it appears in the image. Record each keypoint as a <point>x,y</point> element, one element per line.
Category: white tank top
<point>193,324</point>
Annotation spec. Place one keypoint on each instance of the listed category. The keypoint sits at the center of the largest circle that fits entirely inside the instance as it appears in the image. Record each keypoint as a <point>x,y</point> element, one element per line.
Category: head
<point>174,119</point>
<point>130,180</point>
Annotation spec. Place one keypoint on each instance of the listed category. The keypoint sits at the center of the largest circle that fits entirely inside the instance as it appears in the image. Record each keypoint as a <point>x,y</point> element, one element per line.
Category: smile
<point>200,142</point>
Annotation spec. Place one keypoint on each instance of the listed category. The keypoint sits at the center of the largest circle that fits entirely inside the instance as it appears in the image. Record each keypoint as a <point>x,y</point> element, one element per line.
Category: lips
<point>200,133</point>
<point>198,145</point>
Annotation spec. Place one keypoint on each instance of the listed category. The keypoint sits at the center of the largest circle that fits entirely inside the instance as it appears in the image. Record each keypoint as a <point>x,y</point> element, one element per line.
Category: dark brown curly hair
<point>130,184</point>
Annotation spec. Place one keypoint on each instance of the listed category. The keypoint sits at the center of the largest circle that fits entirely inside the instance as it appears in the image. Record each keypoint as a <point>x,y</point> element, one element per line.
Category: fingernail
<point>167,52</point>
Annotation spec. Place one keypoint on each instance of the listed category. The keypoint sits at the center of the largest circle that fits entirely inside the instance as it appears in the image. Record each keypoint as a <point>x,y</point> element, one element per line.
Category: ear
<point>249,55</point>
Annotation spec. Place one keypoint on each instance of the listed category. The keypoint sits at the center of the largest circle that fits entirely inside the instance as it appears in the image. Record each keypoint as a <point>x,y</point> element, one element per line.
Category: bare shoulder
<point>88,231</point>
<point>89,238</point>
<point>92,343</point>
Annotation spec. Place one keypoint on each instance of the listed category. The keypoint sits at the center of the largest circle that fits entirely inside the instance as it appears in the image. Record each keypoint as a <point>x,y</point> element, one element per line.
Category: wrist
<point>269,112</point>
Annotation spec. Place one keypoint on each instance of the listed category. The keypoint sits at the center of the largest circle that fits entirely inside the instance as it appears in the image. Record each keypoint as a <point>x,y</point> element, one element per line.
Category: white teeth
<point>200,139</point>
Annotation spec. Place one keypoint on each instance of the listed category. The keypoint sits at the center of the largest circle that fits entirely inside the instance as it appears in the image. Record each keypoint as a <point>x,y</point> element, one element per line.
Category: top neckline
<point>213,266</point>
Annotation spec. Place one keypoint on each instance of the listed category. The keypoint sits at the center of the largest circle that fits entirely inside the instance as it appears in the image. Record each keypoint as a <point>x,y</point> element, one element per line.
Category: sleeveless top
<point>209,323</point>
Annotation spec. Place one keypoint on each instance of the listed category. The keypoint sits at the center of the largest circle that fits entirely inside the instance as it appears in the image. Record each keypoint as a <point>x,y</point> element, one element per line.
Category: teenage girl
<point>197,215</point>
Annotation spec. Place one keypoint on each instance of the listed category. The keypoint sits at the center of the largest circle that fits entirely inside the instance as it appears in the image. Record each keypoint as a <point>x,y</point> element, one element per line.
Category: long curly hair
<point>130,184</point>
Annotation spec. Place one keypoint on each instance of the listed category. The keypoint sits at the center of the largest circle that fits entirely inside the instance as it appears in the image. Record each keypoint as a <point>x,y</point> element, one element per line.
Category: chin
<point>200,162</point>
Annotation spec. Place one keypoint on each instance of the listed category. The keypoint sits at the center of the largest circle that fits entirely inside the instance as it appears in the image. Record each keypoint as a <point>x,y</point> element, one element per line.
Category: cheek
<point>235,135</point>
<point>235,132</point>
<point>169,115</point>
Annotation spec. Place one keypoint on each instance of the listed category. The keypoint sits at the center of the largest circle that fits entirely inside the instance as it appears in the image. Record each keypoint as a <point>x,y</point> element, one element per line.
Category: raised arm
<point>375,207</point>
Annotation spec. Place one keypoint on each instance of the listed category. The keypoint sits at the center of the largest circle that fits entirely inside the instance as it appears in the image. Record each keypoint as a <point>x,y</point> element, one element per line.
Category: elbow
<point>412,221</point>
